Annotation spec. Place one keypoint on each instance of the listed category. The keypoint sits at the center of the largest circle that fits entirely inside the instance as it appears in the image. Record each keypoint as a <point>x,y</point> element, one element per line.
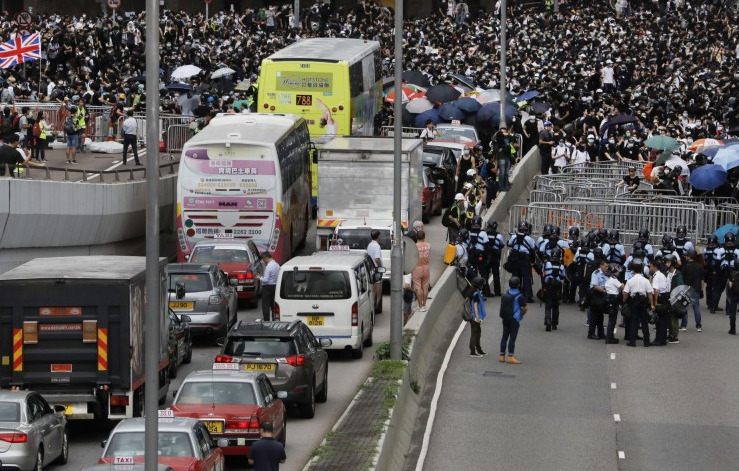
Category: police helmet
<point>613,236</point>
<point>476,222</point>
<point>644,235</point>
<point>528,227</point>
<point>602,234</point>
<point>574,233</point>
<point>547,230</point>
<point>522,227</point>
<point>682,231</point>
<point>639,245</point>
<point>669,258</point>
<point>640,253</point>
<point>492,226</point>
<point>637,265</point>
<point>730,239</point>
<point>463,234</point>
<point>556,231</point>
<point>514,282</point>
<point>712,241</point>
<point>598,253</point>
<point>667,241</point>
<point>478,148</point>
<point>478,282</point>
<point>556,254</point>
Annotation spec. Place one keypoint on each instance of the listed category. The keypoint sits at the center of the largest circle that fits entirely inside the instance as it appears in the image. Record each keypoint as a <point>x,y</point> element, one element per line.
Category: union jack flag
<point>19,50</point>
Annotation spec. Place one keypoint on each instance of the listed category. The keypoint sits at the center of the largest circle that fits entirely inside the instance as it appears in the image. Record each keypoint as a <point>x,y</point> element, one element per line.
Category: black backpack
<point>6,125</point>
<point>507,306</point>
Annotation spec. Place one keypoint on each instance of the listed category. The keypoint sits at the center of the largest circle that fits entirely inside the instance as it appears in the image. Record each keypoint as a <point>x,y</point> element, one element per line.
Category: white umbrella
<point>419,105</point>
<point>222,72</point>
<point>185,72</point>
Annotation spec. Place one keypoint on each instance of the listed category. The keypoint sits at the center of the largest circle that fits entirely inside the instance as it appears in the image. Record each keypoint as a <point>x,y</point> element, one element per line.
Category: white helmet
<point>471,172</point>
<point>459,197</point>
<point>467,186</point>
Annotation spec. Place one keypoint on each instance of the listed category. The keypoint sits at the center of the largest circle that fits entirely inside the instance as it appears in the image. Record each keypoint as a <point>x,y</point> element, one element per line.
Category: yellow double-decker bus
<point>335,84</point>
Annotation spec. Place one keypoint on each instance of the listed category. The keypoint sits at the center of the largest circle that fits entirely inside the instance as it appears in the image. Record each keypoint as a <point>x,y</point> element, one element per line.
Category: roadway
<point>346,376</point>
<point>578,404</point>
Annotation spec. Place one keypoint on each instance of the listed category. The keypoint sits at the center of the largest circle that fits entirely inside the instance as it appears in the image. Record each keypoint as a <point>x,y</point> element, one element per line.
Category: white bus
<point>245,176</point>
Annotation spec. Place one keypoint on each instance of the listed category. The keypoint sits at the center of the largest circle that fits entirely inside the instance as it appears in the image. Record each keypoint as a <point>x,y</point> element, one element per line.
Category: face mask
<point>611,141</point>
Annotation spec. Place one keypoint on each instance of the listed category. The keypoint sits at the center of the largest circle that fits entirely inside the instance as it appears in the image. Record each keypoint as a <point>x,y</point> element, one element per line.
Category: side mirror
<point>233,281</point>
<point>222,442</point>
<point>59,409</point>
<point>221,341</point>
<point>281,394</point>
<point>185,318</point>
<point>380,270</point>
<point>325,343</point>
<point>103,444</point>
<point>179,289</point>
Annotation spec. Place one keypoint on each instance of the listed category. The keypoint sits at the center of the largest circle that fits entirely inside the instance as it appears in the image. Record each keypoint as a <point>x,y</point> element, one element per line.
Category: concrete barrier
<point>431,330</point>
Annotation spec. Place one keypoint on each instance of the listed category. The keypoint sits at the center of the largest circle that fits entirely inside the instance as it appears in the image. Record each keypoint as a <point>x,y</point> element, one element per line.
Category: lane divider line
<point>613,356</point>
<point>617,417</point>
<point>435,399</point>
<point>613,385</point>
<point>621,455</point>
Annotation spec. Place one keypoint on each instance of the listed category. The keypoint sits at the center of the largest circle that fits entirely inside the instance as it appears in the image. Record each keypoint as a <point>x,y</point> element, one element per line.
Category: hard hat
<point>459,197</point>
<point>471,172</point>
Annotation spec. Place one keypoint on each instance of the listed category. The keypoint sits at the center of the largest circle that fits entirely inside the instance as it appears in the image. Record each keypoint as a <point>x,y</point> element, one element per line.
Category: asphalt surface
<point>676,405</point>
<point>346,376</point>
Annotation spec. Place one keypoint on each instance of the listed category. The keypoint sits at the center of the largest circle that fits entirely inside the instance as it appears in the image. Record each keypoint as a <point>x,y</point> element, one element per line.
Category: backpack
<point>36,130</point>
<point>69,126</point>
<point>445,218</point>
<point>6,125</point>
<point>507,302</point>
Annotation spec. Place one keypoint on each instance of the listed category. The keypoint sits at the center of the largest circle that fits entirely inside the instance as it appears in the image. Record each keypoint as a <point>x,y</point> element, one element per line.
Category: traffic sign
<point>24,19</point>
<point>208,1</point>
<point>113,4</point>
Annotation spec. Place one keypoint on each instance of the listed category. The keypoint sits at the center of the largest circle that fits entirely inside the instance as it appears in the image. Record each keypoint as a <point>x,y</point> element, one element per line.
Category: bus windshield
<point>358,239</point>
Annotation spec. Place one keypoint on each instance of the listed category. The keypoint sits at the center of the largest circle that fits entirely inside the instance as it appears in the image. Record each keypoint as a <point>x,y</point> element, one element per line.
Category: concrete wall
<point>50,218</point>
<point>432,330</point>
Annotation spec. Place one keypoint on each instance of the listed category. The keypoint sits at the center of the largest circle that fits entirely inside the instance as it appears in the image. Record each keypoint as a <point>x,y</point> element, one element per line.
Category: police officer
<point>477,240</point>
<point>682,244</point>
<point>570,285</point>
<point>495,244</point>
<point>617,253</point>
<point>613,287</point>
<point>668,248</point>
<point>638,292</point>
<point>543,239</point>
<point>660,302</point>
<point>729,256</point>
<point>522,253</point>
<point>598,300</point>
<point>711,272</point>
<point>603,242</point>
<point>554,275</point>
<point>644,238</point>
<point>581,262</point>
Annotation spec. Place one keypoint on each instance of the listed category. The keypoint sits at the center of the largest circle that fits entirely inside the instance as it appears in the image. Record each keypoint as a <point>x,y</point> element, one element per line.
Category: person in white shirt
<point>613,289</point>
<point>429,133</point>
<point>607,76</point>
<point>375,252</point>
<point>638,292</point>
<point>580,156</point>
<point>561,157</point>
<point>660,302</point>
<point>130,138</point>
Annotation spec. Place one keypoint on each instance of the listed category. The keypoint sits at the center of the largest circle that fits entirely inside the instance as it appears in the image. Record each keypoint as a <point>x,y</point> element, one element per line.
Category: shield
<point>449,112</point>
<point>222,72</point>
<point>185,72</point>
<point>419,105</point>
<point>708,177</point>
<point>442,93</point>
<point>416,77</point>
<point>681,297</point>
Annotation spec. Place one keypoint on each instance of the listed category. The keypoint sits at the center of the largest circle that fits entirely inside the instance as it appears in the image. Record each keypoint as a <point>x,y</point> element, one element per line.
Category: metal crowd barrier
<point>175,138</point>
<point>121,174</point>
<point>412,132</point>
<point>537,216</point>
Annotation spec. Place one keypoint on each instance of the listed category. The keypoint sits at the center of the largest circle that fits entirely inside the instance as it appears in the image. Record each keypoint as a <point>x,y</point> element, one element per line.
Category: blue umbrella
<point>179,86</point>
<point>728,157</point>
<point>467,104</point>
<point>725,229</point>
<point>449,112</point>
<point>708,177</point>
<point>526,96</point>
<point>432,114</point>
<point>490,113</point>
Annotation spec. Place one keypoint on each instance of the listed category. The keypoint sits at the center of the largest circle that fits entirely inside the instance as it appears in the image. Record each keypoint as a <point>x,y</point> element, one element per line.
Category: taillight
<point>276,312</point>
<point>237,425</point>
<point>295,360</point>
<point>254,425</point>
<point>355,314</point>
<point>14,437</point>
<point>119,400</point>
<point>215,299</point>
<point>224,359</point>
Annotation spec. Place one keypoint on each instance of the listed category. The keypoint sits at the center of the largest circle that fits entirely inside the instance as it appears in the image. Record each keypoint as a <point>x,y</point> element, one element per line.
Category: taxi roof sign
<point>124,459</point>
<point>456,121</point>
<point>165,414</point>
<point>226,366</point>
<point>339,248</point>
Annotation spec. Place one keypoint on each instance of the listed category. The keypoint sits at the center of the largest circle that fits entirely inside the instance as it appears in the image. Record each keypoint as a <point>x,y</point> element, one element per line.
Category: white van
<point>331,292</point>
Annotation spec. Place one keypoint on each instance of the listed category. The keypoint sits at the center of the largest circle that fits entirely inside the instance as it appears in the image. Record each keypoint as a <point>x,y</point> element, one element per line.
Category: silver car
<point>32,433</point>
<point>208,298</point>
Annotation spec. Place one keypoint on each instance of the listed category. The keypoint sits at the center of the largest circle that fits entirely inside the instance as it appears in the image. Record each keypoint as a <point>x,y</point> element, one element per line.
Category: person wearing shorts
<point>421,274</point>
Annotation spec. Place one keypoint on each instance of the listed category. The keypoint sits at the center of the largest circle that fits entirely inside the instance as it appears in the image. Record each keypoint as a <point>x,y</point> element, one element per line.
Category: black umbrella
<point>464,80</point>
<point>179,86</point>
<point>622,119</point>
<point>442,93</point>
<point>540,107</point>
<point>417,78</point>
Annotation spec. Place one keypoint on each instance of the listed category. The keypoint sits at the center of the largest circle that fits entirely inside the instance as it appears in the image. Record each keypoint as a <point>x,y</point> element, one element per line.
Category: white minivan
<point>331,292</point>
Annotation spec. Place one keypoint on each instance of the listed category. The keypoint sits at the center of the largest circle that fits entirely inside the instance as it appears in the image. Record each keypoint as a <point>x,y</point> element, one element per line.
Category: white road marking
<point>617,417</point>
<point>613,385</point>
<point>435,399</point>
<point>613,356</point>
<point>116,164</point>
<point>621,455</point>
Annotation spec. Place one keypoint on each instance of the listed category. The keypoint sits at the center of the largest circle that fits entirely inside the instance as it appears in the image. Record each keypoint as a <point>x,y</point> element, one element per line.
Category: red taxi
<point>237,257</point>
<point>461,133</point>
<point>184,444</point>
<point>231,403</point>
<point>431,195</point>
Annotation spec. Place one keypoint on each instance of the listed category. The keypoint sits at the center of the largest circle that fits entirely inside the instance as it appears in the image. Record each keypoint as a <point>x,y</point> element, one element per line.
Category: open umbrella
<point>179,86</point>
<point>467,104</point>
<point>222,72</point>
<point>442,93</point>
<point>432,114</point>
<point>662,142</point>
<point>539,107</point>
<point>449,112</point>
<point>728,157</point>
<point>663,157</point>
<point>708,177</point>
<point>702,144</point>
<point>419,105</point>
<point>526,96</point>
<point>725,229</point>
<point>489,114</point>
<point>416,77</point>
<point>493,94</point>
<point>464,80</point>
<point>185,72</point>
<point>410,92</point>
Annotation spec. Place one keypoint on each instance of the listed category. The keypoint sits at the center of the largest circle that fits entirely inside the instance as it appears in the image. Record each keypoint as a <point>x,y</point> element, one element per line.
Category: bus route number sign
<point>304,100</point>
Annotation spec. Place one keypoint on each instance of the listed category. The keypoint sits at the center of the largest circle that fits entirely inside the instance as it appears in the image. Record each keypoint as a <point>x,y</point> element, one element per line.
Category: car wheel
<point>359,352</point>
<point>322,396</point>
<point>188,357</point>
<point>369,340</point>
<point>378,306</point>
<point>308,409</point>
<point>39,460</point>
<point>64,456</point>
<point>425,218</point>
<point>173,364</point>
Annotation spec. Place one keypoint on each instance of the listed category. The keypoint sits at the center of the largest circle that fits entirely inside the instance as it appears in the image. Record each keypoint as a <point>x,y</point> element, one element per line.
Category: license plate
<point>315,321</point>
<point>181,305</point>
<point>213,426</point>
<point>261,367</point>
<point>61,367</point>
<point>68,409</point>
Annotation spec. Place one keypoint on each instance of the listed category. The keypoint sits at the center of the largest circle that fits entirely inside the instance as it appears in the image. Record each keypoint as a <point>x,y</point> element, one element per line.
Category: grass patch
<point>382,351</point>
<point>391,395</point>
<point>325,450</point>
<point>388,369</point>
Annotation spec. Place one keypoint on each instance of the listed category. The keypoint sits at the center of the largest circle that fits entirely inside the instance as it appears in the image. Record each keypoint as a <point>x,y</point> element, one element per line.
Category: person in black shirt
<point>266,454</point>
<point>546,141</point>
<point>631,180</point>
<point>9,155</point>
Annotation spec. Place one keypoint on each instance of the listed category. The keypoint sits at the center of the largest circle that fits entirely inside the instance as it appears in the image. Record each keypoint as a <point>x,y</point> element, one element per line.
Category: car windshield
<point>458,134</point>
<point>360,238</point>
<point>132,444</point>
<point>315,284</point>
<point>215,392</point>
<point>260,346</point>
<point>431,156</point>
<point>194,282</point>
<point>219,254</point>
<point>10,412</point>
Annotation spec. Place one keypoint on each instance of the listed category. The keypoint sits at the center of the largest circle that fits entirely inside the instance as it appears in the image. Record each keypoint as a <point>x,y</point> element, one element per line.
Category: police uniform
<point>616,254</point>
<point>522,247</point>
<point>636,293</point>
<point>613,289</point>
<point>661,287</point>
<point>495,244</point>
<point>554,274</point>
<point>712,268</point>
<point>476,242</point>
<point>682,247</point>
<point>595,317</point>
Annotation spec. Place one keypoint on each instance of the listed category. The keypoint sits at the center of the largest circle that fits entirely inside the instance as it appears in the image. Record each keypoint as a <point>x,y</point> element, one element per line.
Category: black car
<point>180,342</point>
<point>288,353</point>
<point>443,166</point>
